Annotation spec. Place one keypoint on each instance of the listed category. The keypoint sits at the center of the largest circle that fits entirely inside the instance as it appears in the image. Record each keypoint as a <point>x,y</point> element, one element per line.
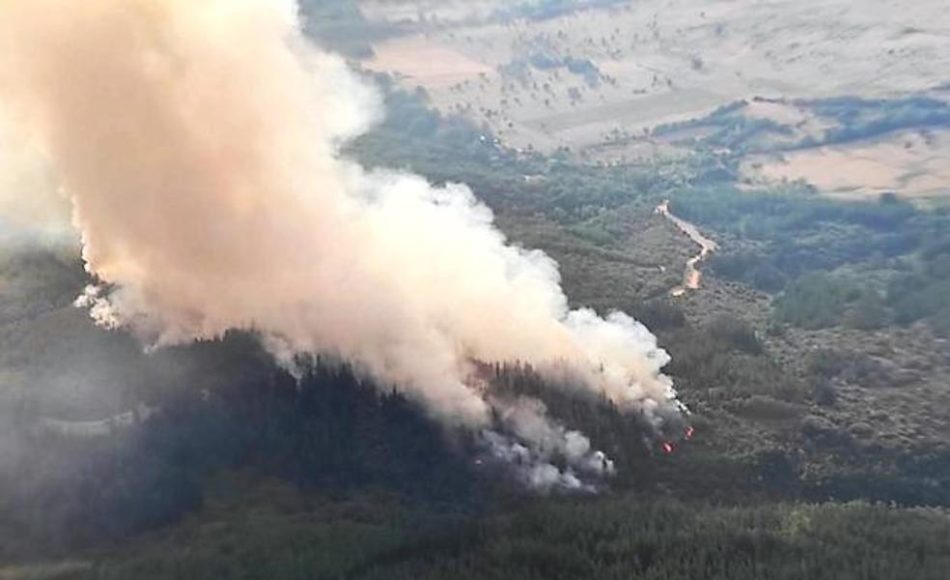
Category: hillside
<point>813,351</point>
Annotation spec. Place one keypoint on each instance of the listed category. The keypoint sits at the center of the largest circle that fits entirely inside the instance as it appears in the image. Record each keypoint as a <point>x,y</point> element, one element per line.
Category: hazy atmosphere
<point>483,289</point>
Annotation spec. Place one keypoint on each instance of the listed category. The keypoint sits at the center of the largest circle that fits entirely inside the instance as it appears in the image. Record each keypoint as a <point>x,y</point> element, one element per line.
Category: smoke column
<point>198,144</point>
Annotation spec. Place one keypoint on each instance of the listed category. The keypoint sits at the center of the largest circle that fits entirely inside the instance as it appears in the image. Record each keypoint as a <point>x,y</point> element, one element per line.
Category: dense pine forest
<point>329,476</point>
<point>814,361</point>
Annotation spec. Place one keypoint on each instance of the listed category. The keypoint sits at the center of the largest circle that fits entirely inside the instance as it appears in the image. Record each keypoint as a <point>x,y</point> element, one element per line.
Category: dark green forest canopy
<point>374,536</point>
<point>357,483</point>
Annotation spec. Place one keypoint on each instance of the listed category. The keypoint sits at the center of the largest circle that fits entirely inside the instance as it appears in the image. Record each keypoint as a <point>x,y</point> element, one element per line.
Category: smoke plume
<point>198,144</point>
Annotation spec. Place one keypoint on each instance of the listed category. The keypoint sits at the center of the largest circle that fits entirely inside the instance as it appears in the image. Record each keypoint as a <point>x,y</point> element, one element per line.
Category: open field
<point>658,61</point>
<point>913,163</point>
<point>598,82</point>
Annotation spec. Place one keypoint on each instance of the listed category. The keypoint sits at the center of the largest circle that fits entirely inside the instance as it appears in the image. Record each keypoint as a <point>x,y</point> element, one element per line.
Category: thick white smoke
<point>199,145</point>
<point>537,442</point>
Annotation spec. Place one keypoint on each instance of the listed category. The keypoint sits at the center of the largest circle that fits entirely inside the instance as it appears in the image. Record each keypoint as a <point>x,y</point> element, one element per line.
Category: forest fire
<point>669,447</point>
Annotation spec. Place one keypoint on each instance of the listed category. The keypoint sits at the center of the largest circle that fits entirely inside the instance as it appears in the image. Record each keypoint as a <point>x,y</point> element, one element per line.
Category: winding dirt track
<point>692,276</point>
